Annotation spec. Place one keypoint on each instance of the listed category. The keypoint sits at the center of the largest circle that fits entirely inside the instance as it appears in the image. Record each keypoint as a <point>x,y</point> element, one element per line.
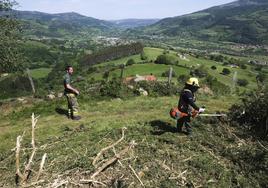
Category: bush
<point>115,89</point>
<point>226,71</point>
<point>143,56</point>
<point>15,86</point>
<point>183,78</point>
<point>261,77</point>
<point>166,59</point>
<point>216,86</point>
<point>158,88</point>
<point>252,113</point>
<point>130,62</point>
<point>166,74</point>
<point>213,67</point>
<point>199,72</point>
<point>242,82</point>
<point>243,66</point>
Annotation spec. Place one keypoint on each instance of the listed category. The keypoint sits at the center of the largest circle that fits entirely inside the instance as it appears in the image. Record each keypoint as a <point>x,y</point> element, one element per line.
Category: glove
<point>201,110</point>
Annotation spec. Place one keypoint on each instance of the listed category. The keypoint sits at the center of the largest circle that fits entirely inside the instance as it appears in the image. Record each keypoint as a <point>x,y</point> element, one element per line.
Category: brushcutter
<point>175,113</point>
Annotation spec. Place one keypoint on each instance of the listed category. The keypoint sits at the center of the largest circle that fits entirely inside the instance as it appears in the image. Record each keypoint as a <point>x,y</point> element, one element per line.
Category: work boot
<point>76,118</point>
<point>188,129</point>
<point>179,129</point>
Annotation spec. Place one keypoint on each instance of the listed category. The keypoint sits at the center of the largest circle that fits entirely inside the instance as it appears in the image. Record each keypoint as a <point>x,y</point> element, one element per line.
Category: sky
<point>120,9</point>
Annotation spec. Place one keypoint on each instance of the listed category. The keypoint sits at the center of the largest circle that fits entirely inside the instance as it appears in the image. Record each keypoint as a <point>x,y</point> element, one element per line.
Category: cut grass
<point>161,155</point>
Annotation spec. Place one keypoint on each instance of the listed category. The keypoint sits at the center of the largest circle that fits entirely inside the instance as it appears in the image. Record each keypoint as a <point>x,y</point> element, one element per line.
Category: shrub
<point>261,77</point>
<point>166,74</point>
<point>199,72</point>
<point>226,71</point>
<point>130,62</point>
<point>166,59</point>
<point>183,78</point>
<point>158,88</point>
<point>143,56</point>
<point>252,113</point>
<point>213,67</point>
<point>243,66</point>
<point>106,75</point>
<point>216,86</point>
<point>242,82</point>
<point>115,89</point>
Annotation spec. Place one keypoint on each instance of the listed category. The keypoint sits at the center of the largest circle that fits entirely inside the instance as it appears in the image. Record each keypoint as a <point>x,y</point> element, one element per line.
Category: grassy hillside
<point>217,155</point>
<point>241,22</point>
<point>185,65</point>
<point>63,25</point>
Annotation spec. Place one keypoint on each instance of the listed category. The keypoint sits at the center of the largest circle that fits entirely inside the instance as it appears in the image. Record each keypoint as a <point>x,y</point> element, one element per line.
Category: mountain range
<point>242,21</point>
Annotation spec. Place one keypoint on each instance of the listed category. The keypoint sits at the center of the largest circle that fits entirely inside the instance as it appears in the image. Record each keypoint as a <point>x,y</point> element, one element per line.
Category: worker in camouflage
<point>71,93</point>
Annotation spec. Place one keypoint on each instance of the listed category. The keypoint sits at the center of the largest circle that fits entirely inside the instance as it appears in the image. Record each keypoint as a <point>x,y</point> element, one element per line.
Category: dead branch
<point>33,184</point>
<point>18,173</point>
<point>83,181</point>
<point>111,146</point>
<point>113,160</point>
<point>58,183</point>
<point>27,170</point>
<point>41,166</point>
<point>262,145</point>
<point>232,134</point>
<point>136,175</point>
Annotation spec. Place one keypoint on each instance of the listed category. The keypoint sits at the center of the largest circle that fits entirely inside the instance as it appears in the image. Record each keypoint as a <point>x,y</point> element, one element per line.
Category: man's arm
<point>68,86</point>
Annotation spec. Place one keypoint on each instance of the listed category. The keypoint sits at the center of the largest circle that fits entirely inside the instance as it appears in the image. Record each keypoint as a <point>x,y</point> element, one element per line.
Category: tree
<point>143,56</point>
<point>166,59</point>
<point>213,67</point>
<point>225,71</point>
<point>10,58</point>
<point>261,77</point>
<point>199,72</point>
<point>242,82</point>
<point>130,62</point>
<point>183,78</point>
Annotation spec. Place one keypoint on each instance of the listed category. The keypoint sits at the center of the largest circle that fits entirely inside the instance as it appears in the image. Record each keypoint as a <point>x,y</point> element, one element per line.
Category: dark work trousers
<point>186,122</point>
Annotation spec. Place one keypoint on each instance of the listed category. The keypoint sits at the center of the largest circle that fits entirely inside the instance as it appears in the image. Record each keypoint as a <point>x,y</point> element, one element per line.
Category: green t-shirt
<point>67,80</point>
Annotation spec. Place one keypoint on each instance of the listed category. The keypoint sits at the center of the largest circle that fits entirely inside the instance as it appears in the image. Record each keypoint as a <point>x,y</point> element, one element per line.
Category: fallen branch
<point>113,160</point>
<point>83,181</point>
<point>33,183</point>
<point>41,166</point>
<point>136,175</point>
<point>262,145</point>
<point>109,147</point>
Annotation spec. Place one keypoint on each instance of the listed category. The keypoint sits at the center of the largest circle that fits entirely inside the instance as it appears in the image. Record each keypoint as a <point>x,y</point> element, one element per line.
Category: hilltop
<point>62,25</point>
<point>243,21</point>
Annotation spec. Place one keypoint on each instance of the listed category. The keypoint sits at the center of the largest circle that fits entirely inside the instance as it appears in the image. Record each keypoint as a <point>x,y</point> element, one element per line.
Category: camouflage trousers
<point>186,122</point>
<point>72,105</point>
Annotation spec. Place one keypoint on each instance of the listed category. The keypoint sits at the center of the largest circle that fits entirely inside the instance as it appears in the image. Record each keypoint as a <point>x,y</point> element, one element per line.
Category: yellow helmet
<point>193,82</point>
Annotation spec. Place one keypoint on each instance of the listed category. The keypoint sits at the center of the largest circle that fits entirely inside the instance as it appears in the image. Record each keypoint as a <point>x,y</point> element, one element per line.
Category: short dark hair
<point>68,67</point>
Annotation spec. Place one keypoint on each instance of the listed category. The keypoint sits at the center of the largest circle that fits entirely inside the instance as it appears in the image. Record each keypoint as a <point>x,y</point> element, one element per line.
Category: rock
<point>143,92</point>
<point>60,95</point>
<point>130,87</point>
<point>4,75</point>
<point>20,99</point>
<point>51,96</point>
